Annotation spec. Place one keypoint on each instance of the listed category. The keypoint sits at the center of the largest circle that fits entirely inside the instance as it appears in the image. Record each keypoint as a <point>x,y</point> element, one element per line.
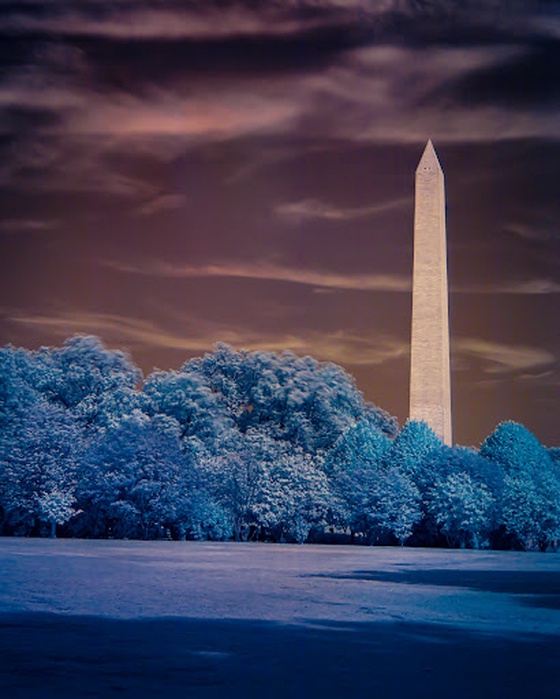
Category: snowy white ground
<point>174,619</point>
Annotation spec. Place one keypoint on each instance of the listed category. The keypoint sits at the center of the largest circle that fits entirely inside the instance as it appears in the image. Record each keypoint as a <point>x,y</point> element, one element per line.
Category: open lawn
<point>175,619</point>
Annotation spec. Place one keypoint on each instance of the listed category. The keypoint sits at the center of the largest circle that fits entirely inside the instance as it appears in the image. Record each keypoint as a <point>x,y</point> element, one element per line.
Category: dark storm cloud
<point>88,82</point>
<point>197,70</point>
<point>454,19</point>
<point>529,80</point>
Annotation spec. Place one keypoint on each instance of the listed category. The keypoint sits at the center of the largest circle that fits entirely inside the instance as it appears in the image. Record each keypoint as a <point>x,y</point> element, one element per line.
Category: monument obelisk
<point>430,379</point>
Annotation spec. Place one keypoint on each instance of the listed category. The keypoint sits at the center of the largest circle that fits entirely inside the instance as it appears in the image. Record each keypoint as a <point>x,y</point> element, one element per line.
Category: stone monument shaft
<point>430,380</point>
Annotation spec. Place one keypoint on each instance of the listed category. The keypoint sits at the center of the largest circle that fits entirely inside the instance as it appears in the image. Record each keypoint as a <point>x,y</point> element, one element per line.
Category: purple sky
<point>174,174</point>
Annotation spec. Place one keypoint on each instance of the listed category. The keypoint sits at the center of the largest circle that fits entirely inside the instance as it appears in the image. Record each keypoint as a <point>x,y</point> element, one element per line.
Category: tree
<point>361,445</point>
<point>471,475</point>
<point>531,510</point>
<point>515,449</point>
<point>371,499</point>
<point>412,448</point>
<point>134,482</point>
<point>395,505</point>
<point>202,518</point>
<point>82,377</point>
<point>56,507</point>
<point>531,499</point>
<point>38,461</point>
<point>238,478</point>
<point>17,395</point>
<point>554,453</point>
<point>295,498</point>
<point>296,399</point>
<point>463,509</point>
<point>376,497</point>
<point>78,375</point>
<point>184,397</point>
<point>377,501</point>
<point>268,488</point>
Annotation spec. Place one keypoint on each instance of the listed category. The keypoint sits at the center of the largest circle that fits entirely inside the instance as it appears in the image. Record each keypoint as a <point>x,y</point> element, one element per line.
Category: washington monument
<point>430,380</point>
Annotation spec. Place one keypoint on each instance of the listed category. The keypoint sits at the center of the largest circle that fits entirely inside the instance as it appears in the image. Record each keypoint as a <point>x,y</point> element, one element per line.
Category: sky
<point>176,174</point>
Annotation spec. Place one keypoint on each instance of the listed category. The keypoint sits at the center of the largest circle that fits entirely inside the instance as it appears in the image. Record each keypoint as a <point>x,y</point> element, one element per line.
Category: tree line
<point>250,446</point>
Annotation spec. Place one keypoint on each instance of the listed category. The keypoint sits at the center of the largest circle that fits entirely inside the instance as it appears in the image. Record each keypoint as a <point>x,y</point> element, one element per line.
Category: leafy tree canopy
<point>249,445</point>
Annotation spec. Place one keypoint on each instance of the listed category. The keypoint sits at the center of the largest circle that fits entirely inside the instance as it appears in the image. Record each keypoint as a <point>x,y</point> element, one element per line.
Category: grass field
<point>175,619</point>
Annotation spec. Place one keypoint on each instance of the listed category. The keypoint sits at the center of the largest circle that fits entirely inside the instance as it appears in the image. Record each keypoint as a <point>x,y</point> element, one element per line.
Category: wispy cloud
<point>541,227</point>
<point>270,272</point>
<point>143,21</point>
<point>321,279</point>
<point>206,19</point>
<point>142,332</point>
<point>532,286</point>
<point>528,287</point>
<point>377,93</point>
<point>315,209</point>
<point>200,335</point>
<point>501,358</point>
<point>229,114</point>
<point>162,202</point>
<point>345,347</point>
<point>549,376</point>
<point>69,165</point>
<point>395,93</point>
<point>27,225</point>
<point>361,90</point>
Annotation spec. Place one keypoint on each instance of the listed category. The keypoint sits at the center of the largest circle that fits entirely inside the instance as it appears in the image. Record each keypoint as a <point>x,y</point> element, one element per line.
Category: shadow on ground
<point>538,588</point>
<point>46,656</point>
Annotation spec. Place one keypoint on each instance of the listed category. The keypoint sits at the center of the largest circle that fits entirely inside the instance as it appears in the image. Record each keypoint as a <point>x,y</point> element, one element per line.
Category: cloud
<point>380,94</point>
<point>229,114</point>
<point>499,84</point>
<point>357,81</point>
<point>141,332</point>
<point>540,228</point>
<point>163,202</point>
<point>532,286</point>
<point>355,86</point>
<point>270,272</point>
<point>144,22</point>
<point>528,287</point>
<point>395,93</point>
<point>500,358</point>
<point>352,349</point>
<point>548,376</point>
<point>361,84</point>
<point>271,154</point>
<point>321,279</point>
<point>315,209</point>
<point>45,164</point>
<point>200,335</point>
<point>84,111</point>
<point>341,346</point>
<point>27,225</point>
